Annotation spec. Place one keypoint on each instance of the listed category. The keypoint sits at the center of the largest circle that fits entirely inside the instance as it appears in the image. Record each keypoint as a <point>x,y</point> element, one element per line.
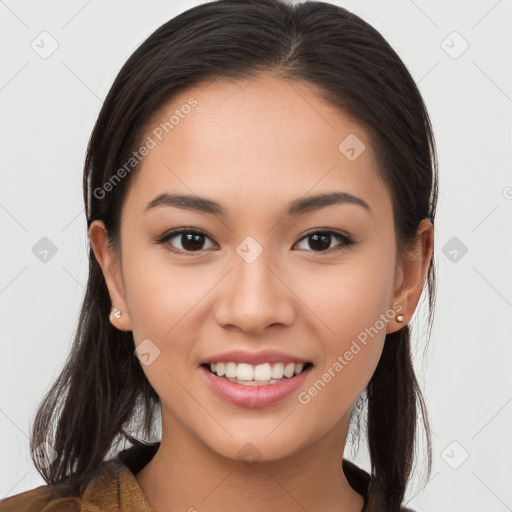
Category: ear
<point>110,264</point>
<point>411,274</point>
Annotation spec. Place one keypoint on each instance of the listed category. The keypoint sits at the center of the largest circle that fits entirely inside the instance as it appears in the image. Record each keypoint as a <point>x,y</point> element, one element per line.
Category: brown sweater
<point>115,489</point>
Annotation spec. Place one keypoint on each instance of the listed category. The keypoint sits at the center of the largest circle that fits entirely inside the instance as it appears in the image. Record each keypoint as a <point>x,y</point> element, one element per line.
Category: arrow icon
<point>147,352</point>
<point>351,147</point>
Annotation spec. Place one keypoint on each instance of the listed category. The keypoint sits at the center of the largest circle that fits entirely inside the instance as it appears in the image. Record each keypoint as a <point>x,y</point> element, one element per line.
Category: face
<point>315,284</point>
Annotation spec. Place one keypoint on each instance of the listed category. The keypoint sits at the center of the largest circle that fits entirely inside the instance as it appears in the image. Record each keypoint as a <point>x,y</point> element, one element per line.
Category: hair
<point>102,386</point>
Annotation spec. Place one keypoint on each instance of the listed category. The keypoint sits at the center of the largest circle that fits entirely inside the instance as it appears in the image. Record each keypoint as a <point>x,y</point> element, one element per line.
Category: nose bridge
<point>255,296</point>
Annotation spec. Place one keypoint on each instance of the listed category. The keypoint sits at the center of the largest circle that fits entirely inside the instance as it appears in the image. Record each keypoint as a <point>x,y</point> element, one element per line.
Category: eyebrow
<point>296,207</point>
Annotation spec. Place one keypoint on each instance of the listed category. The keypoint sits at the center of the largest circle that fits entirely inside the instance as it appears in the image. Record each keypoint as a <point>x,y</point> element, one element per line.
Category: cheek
<point>158,292</point>
<point>163,301</point>
<point>347,298</point>
<point>166,302</point>
<point>349,303</point>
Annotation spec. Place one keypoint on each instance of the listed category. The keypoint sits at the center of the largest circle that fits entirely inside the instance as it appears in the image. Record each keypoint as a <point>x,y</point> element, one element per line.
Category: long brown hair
<point>102,389</point>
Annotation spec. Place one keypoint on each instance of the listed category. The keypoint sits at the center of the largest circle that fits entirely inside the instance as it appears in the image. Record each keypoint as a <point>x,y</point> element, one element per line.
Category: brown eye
<point>187,240</point>
<point>320,241</point>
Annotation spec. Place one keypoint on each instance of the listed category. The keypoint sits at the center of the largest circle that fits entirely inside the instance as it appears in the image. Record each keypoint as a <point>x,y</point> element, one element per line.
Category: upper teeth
<point>260,372</point>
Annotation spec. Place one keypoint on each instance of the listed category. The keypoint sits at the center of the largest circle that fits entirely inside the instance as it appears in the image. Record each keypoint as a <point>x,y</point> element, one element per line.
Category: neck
<point>186,475</point>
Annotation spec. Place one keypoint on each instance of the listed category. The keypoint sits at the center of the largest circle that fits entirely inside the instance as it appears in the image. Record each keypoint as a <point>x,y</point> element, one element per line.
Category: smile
<point>256,375</point>
<point>261,385</point>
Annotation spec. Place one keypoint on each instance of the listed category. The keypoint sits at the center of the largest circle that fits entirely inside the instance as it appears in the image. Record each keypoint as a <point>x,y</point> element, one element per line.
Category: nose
<point>254,296</point>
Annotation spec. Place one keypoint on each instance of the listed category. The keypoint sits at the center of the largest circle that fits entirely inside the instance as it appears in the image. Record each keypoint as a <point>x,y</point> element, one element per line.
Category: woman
<point>260,190</point>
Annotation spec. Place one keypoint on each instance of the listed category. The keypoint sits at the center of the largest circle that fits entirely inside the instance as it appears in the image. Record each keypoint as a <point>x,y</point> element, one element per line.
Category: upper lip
<point>254,358</point>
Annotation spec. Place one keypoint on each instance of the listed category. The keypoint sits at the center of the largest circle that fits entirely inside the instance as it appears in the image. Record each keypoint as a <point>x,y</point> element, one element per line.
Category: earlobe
<point>411,275</point>
<point>115,319</point>
<point>111,268</point>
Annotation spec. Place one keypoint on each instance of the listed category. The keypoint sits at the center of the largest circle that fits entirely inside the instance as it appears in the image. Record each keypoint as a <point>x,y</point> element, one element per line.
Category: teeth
<point>289,370</point>
<point>254,382</point>
<point>254,375</point>
<point>262,371</point>
<point>231,370</point>
<point>298,368</point>
<point>278,371</point>
<point>244,371</point>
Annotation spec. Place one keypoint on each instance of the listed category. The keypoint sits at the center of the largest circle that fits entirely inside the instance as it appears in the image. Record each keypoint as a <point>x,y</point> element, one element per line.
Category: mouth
<point>246,385</point>
<point>256,375</point>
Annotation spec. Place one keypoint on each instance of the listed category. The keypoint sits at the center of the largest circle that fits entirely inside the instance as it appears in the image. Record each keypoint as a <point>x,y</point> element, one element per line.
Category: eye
<point>189,239</point>
<point>192,240</point>
<point>320,241</point>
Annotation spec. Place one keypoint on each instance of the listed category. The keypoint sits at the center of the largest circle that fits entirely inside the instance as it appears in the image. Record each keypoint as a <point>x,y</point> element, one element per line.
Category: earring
<point>400,318</point>
<point>117,312</point>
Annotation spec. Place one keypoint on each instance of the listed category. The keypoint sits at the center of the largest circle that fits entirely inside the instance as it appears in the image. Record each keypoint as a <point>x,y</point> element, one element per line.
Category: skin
<point>253,146</point>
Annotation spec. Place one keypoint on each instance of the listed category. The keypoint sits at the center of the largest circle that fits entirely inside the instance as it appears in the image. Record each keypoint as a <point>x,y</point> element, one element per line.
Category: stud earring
<point>117,312</point>
<point>400,318</point>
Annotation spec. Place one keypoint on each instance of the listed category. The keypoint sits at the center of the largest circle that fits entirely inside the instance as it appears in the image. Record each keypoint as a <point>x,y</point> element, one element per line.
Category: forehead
<point>254,141</point>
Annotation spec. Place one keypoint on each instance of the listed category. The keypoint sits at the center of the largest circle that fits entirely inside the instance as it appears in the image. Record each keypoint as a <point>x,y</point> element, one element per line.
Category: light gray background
<point>48,108</point>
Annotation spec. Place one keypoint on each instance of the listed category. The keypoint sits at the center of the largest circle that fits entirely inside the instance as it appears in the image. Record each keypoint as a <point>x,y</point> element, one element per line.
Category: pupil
<point>325,238</point>
<point>188,241</point>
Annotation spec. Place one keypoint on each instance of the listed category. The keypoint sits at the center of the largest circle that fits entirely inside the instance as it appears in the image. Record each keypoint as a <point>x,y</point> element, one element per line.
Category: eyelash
<point>347,240</point>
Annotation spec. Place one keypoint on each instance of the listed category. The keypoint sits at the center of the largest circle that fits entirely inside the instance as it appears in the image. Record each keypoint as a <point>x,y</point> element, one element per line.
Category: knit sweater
<point>115,488</point>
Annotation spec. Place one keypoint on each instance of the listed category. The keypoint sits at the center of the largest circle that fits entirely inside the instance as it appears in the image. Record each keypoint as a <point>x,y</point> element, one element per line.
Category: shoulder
<point>33,500</point>
<point>46,498</point>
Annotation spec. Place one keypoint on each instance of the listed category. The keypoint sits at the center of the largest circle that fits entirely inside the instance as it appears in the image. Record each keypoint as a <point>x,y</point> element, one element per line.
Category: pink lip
<point>264,356</point>
<point>253,396</point>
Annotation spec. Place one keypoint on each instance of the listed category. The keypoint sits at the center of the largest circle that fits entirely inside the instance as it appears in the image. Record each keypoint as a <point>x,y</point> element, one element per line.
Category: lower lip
<point>253,396</point>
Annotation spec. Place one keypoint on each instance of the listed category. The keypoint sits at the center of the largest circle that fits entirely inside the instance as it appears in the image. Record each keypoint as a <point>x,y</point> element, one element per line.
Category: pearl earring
<point>400,318</point>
